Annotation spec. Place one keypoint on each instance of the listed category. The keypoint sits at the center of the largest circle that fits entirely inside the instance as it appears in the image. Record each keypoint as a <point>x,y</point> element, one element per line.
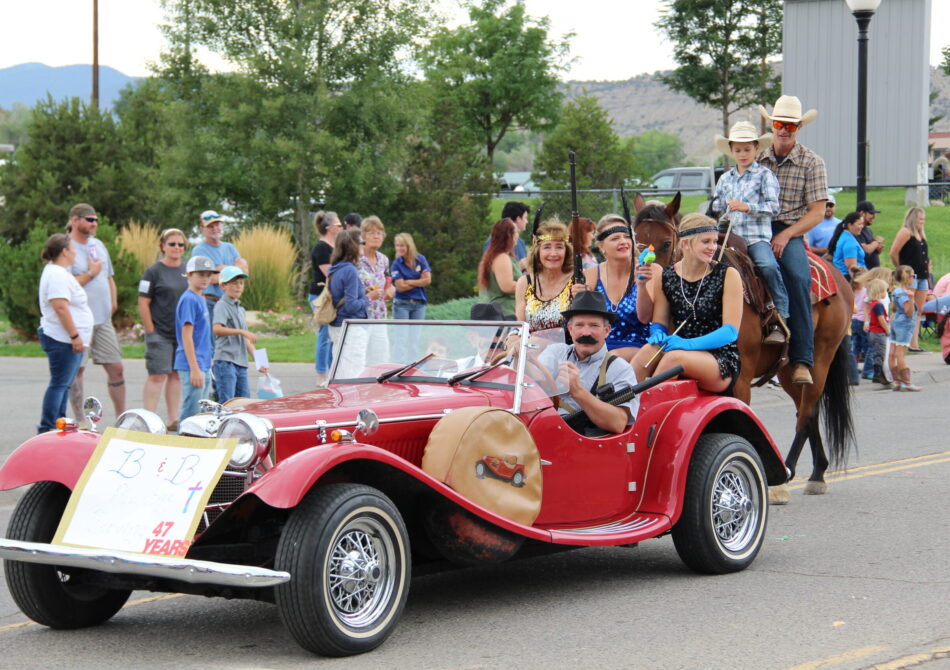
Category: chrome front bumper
<point>126,563</point>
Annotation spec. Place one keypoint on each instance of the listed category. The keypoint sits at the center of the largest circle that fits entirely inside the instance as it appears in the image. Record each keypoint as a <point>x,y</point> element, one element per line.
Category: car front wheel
<point>725,506</point>
<point>347,551</point>
<point>43,592</point>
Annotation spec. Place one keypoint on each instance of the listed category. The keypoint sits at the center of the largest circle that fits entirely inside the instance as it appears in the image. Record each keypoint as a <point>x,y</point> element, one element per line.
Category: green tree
<point>501,69</point>
<point>721,48</point>
<point>585,128</point>
<point>655,150</point>
<point>74,154</point>
<point>442,204</point>
<point>315,114</point>
<point>13,123</point>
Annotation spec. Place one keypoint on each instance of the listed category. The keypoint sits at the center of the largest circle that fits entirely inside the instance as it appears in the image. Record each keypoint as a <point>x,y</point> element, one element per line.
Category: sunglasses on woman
<point>175,244</point>
<point>790,127</point>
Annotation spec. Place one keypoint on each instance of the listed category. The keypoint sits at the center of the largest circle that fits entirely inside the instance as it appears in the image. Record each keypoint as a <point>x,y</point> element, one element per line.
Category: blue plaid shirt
<point>758,188</point>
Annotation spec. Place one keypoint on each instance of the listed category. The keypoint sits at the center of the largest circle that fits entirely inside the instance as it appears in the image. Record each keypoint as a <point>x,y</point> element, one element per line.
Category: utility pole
<point>95,53</point>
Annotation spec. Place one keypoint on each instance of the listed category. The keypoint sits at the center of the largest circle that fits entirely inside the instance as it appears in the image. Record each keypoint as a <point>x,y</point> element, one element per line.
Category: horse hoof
<point>815,489</point>
<point>779,495</point>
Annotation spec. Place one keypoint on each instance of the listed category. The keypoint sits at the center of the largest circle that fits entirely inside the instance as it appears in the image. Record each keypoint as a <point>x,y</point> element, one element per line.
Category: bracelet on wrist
<point>73,337</point>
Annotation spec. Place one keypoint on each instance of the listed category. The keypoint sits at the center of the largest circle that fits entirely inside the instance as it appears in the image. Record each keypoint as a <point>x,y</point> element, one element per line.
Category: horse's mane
<point>651,213</point>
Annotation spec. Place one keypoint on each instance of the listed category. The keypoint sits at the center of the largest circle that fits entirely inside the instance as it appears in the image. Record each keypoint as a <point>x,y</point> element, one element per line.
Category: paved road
<point>855,578</point>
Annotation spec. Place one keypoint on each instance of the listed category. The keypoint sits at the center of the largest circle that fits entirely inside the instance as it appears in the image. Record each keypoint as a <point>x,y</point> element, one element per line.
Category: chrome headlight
<point>253,435</point>
<point>142,421</point>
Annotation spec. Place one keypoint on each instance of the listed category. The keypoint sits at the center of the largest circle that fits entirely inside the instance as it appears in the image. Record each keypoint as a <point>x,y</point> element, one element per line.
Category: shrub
<point>271,257</point>
<point>296,322</point>
<point>140,241</point>
<point>19,293</point>
<point>453,310</point>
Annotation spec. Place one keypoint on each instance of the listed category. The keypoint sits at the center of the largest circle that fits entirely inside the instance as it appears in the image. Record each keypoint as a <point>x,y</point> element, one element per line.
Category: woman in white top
<point>65,325</point>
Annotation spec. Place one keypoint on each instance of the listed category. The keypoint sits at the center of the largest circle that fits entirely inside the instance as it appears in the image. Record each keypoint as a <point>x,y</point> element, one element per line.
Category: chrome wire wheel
<point>735,506</point>
<point>360,576</point>
<point>725,508</point>
<point>347,550</point>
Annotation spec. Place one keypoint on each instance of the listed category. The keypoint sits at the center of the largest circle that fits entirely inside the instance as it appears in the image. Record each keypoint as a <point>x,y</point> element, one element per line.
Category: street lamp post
<point>863,10</point>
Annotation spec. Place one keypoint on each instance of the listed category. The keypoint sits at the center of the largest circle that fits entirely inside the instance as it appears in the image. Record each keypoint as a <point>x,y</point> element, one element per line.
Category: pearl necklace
<point>699,289</point>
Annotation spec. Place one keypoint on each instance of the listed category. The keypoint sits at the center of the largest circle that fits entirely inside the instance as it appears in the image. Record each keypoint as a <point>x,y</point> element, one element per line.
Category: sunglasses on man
<point>790,127</point>
<point>91,219</point>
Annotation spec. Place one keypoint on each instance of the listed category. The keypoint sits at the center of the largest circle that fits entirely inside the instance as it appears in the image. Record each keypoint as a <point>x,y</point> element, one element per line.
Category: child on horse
<point>749,194</point>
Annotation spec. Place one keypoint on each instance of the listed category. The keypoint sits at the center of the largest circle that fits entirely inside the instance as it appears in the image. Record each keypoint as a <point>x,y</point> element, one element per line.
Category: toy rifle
<point>575,224</point>
<point>576,420</point>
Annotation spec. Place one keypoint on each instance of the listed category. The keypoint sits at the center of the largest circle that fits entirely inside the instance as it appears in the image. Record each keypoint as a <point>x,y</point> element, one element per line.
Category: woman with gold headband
<point>546,290</point>
<point>626,291</point>
<point>700,301</point>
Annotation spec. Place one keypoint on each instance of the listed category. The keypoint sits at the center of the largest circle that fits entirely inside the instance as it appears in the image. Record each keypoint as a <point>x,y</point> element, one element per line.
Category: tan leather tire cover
<point>473,440</point>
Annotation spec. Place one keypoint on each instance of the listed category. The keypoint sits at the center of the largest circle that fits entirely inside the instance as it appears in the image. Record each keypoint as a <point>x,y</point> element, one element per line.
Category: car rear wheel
<point>347,550</point>
<point>47,595</point>
<point>725,506</point>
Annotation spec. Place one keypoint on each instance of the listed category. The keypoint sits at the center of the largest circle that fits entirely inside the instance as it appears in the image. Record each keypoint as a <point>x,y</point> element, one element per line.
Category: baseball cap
<point>831,200</point>
<point>867,206</point>
<point>200,264</point>
<point>209,216</point>
<point>229,273</point>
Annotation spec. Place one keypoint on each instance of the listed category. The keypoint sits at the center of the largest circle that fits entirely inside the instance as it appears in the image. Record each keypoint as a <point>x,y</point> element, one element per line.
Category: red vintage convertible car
<point>332,497</point>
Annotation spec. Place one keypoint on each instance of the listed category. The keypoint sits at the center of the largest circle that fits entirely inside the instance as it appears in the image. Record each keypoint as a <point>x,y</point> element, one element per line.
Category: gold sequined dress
<point>544,314</point>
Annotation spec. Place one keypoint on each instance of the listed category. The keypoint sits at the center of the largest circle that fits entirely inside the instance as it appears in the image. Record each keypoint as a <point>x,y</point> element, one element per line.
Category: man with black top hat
<point>582,367</point>
<point>872,244</point>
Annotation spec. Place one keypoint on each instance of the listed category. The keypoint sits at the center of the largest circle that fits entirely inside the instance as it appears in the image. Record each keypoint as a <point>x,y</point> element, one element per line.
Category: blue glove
<point>720,337</point>
<point>658,334</point>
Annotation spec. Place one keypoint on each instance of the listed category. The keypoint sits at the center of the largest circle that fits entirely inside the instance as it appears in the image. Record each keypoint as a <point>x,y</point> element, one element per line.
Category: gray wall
<point>821,65</point>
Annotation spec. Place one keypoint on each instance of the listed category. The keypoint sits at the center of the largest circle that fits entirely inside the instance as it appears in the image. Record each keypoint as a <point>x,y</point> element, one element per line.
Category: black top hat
<point>488,311</point>
<point>589,302</point>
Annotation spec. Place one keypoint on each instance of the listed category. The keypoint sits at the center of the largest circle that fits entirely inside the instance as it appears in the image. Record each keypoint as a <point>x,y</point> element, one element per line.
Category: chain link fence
<point>592,203</point>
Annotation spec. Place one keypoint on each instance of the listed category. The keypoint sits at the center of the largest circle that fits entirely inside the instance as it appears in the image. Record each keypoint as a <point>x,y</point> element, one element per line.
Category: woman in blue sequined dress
<point>626,295</point>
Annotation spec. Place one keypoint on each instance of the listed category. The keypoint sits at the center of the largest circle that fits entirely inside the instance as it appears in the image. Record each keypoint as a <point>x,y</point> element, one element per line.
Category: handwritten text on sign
<point>143,493</point>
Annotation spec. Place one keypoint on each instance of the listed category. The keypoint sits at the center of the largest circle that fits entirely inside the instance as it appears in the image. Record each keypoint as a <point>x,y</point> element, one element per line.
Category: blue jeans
<point>853,376</point>
<point>230,381</point>
<point>861,346</point>
<point>761,254</point>
<point>797,276</point>
<point>323,356</point>
<point>63,366</point>
<point>406,349</point>
<point>190,395</point>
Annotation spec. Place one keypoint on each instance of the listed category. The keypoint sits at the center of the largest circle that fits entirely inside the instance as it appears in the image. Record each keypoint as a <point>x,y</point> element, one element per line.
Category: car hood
<point>341,402</point>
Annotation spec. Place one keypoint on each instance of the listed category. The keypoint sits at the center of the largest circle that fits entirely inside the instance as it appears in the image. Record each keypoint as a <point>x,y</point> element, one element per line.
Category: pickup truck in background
<point>687,180</point>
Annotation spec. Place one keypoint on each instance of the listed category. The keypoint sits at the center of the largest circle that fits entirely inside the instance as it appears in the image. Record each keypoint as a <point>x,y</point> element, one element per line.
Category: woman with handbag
<point>349,297</point>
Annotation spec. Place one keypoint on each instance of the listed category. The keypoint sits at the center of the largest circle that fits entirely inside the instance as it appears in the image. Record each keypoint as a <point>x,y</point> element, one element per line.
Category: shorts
<point>105,346</point>
<point>923,284</point>
<point>159,354</point>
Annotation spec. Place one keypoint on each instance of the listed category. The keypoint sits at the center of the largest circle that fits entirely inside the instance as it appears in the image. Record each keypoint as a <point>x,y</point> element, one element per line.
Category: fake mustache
<point>586,339</point>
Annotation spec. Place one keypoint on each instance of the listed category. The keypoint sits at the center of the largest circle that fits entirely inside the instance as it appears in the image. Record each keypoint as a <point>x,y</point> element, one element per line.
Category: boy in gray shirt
<point>232,340</point>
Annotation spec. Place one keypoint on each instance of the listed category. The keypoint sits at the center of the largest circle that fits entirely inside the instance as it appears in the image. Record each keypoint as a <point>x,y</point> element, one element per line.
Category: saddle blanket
<point>823,284</point>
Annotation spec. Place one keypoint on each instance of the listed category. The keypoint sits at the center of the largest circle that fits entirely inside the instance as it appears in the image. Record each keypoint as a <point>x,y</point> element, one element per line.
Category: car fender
<point>285,485</point>
<point>56,456</point>
<point>675,434</point>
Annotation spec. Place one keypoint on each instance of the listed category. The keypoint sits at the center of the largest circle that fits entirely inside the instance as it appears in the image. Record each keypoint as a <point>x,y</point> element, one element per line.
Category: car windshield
<point>441,350</point>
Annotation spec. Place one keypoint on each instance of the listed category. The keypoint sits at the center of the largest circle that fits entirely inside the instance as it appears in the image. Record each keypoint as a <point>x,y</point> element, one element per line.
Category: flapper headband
<point>548,237</point>
<point>698,230</point>
<point>613,230</point>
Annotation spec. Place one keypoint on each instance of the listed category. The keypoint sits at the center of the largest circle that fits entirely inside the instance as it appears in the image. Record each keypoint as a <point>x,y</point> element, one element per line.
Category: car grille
<point>230,486</point>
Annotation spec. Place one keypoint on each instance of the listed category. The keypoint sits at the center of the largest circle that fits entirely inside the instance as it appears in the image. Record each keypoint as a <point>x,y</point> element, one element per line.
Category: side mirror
<point>367,422</point>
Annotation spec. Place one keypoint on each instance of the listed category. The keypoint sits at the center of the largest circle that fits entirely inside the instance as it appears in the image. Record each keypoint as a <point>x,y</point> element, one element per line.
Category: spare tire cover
<point>488,456</point>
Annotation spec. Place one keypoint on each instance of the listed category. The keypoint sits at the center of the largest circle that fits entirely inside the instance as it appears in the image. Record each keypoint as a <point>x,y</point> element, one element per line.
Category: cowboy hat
<point>589,302</point>
<point>788,108</point>
<point>743,131</point>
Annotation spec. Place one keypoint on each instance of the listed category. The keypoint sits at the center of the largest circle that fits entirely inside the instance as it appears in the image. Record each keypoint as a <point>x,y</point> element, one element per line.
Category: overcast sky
<point>614,39</point>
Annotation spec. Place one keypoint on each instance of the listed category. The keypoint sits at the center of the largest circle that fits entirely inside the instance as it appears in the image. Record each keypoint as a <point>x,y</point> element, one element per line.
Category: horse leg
<point>816,485</point>
<point>780,495</point>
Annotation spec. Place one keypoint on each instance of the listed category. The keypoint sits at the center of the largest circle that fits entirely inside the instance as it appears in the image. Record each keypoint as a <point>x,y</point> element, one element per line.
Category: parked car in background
<point>687,180</point>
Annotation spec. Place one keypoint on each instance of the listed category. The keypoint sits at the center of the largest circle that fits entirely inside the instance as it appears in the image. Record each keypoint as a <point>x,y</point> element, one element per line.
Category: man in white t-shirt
<point>93,270</point>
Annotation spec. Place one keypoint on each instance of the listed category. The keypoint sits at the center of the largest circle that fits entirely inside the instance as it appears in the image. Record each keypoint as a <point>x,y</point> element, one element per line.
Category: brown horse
<point>656,224</point>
